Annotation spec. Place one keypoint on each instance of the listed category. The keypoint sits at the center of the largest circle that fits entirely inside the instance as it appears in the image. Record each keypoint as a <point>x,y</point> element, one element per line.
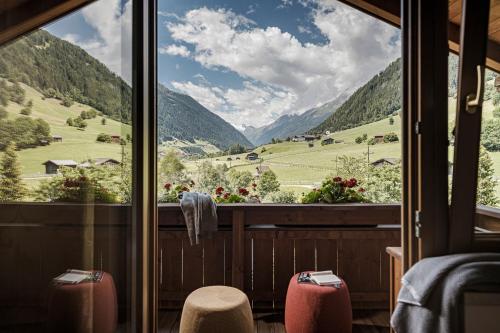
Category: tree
<point>351,167</point>
<point>239,179</point>
<point>67,101</point>
<point>486,182</point>
<point>103,121</point>
<point>12,187</point>
<point>210,177</point>
<point>3,113</point>
<point>4,93</point>
<point>103,137</point>
<point>26,111</point>
<point>490,136</point>
<point>383,185</point>
<point>391,137</point>
<point>359,140</point>
<point>236,149</point>
<point>496,112</point>
<point>171,168</point>
<point>80,123</point>
<point>70,122</point>
<point>17,93</point>
<point>391,120</point>
<point>268,183</point>
<point>496,99</point>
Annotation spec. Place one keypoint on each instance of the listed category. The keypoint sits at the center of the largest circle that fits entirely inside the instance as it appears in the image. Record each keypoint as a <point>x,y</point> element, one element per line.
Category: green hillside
<point>77,145</point>
<point>377,99</point>
<point>56,67</point>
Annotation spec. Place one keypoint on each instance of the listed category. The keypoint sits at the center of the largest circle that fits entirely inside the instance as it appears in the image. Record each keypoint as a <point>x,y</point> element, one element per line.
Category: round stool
<point>310,308</point>
<point>216,309</point>
<point>87,307</point>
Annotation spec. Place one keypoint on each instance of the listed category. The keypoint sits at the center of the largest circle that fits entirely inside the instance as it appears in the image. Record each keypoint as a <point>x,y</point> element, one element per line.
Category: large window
<point>265,101</point>
<point>65,157</point>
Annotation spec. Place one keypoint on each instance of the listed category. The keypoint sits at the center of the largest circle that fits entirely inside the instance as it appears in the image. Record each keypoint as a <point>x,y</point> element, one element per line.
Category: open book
<point>325,278</point>
<point>75,276</point>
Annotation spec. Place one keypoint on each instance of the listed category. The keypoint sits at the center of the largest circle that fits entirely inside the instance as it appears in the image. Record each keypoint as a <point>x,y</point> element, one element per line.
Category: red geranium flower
<point>226,195</point>
<point>344,183</point>
<point>351,182</point>
<point>337,179</point>
<point>219,190</point>
<point>167,186</point>
<point>243,192</point>
<point>361,190</point>
<point>184,189</point>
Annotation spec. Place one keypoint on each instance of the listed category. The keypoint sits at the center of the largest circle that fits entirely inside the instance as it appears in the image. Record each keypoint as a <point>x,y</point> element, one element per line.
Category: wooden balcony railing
<point>258,248</point>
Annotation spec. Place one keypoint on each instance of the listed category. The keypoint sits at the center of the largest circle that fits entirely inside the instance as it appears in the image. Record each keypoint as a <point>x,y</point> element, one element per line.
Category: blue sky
<point>248,61</point>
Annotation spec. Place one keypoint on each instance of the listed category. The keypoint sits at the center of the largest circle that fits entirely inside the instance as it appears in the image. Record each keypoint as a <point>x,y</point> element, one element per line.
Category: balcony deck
<point>364,321</point>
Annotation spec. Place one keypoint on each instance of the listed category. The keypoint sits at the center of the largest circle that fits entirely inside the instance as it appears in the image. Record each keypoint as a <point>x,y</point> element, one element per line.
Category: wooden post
<point>432,128</point>
<point>238,249</point>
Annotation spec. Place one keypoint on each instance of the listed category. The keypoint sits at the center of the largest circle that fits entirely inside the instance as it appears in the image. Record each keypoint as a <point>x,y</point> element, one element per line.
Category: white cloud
<point>284,75</point>
<point>112,42</point>
<point>175,50</point>
<point>206,96</point>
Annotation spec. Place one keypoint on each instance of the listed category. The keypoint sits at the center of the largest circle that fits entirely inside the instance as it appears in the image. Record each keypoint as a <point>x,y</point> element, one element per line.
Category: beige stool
<point>217,309</point>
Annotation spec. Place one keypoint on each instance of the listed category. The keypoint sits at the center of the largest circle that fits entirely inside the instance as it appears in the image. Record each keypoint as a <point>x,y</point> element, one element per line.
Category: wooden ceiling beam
<point>22,16</point>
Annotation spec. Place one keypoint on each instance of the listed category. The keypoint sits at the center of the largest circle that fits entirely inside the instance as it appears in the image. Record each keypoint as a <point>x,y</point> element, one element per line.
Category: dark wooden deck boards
<point>363,322</point>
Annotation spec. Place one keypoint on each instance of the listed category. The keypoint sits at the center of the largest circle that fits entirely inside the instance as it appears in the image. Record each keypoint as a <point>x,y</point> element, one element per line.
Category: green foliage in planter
<point>336,190</point>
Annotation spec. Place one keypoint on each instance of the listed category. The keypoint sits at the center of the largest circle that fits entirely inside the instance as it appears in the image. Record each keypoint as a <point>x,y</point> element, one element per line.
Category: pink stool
<point>315,309</point>
<point>88,307</point>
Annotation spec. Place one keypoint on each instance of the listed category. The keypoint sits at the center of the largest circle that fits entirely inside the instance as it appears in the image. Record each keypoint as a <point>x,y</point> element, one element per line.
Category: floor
<point>366,321</point>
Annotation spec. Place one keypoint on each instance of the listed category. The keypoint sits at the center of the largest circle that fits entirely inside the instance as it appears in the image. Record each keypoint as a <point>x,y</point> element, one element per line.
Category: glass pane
<point>65,174</point>
<point>285,95</point>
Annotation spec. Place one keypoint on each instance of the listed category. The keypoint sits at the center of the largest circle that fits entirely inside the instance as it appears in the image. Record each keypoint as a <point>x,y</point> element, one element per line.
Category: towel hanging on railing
<point>200,215</point>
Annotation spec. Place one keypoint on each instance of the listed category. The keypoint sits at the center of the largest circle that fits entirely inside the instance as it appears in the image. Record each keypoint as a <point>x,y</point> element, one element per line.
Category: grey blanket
<point>430,299</point>
<point>200,215</point>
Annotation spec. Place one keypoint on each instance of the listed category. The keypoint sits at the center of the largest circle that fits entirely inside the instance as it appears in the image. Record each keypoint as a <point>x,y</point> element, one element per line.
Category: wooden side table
<point>396,272</point>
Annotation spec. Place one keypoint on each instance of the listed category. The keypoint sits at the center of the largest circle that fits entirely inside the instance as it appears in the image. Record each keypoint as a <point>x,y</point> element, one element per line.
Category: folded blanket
<point>430,299</point>
<point>200,215</point>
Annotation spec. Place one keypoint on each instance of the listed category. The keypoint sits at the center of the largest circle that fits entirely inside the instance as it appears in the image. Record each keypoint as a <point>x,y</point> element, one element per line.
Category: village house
<point>252,156</point>
<point>384,161</point>
<point>99,162</point>
<point>57,138</point>
<point>327,141</point>
<point>378,138</point>
<point>52,166</point>
<point>115,138</point>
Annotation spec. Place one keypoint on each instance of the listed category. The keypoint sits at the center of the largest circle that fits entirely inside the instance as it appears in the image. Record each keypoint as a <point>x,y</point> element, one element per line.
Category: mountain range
<point>56,67</point>
<point>293,124</point>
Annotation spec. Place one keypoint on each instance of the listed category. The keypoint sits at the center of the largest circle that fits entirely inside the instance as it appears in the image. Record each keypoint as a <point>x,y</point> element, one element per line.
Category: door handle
<point>474,101</point>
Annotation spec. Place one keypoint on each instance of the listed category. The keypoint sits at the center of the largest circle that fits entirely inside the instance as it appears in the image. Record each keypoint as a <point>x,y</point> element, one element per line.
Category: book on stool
<point>323,278</point>
<point>75,276</point>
